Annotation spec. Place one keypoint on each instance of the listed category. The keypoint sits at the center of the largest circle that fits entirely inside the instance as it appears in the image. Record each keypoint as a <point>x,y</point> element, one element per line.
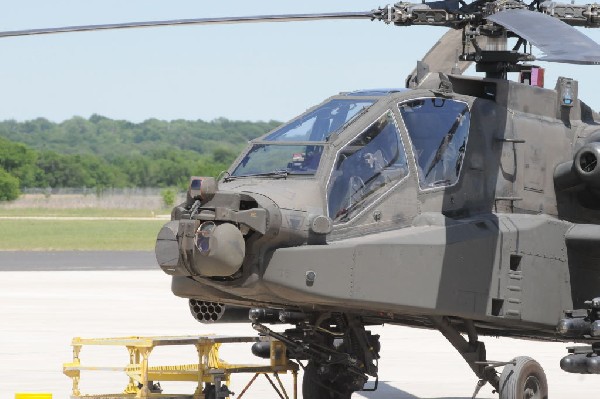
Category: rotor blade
<point>196,21</point>
<point>559,41</point>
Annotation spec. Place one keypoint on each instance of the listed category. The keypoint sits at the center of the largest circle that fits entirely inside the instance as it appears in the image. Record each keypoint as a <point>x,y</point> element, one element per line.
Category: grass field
<point>43,235</point>
<point>59,230</point>
<point>81,212</point>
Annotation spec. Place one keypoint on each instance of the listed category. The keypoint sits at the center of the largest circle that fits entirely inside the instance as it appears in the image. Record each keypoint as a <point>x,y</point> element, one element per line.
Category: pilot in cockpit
<point>371,161</point>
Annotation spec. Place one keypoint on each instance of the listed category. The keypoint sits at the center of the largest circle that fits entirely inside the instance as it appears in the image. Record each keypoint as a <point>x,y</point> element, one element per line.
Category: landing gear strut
<point>522,377</point>
<point>473,350</point>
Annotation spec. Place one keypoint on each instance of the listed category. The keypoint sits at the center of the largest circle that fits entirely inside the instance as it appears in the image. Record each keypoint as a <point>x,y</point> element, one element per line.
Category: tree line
<point>103,153</point>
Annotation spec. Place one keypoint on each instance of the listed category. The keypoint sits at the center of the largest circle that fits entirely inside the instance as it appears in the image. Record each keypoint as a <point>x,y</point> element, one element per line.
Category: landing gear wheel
<point>315,386</point>
<point>523,380</point>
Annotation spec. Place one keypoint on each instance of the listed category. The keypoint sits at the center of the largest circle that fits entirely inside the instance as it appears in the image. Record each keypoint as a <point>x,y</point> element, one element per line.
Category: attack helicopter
<point>463,204</point>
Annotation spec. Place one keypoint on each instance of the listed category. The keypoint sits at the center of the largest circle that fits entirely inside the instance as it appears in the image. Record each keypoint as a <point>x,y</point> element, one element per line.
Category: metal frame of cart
<point>209,371</point>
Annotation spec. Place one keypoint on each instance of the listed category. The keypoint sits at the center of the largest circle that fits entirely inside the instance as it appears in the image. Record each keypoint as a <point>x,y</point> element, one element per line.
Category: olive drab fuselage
<point>402,204</point>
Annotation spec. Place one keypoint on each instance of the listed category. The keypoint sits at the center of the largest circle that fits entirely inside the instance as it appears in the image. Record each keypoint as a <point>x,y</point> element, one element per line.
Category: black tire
<point>209,391</point>
<point>315,386</point>
<point>523,380</point>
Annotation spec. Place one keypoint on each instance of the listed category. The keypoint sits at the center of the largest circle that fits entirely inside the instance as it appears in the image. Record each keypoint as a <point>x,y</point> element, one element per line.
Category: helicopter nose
<point>207,234</point>
<point>192,248</point>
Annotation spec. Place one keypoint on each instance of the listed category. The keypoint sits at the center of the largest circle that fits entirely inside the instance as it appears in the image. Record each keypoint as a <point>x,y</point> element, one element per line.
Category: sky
<point>270,71</point>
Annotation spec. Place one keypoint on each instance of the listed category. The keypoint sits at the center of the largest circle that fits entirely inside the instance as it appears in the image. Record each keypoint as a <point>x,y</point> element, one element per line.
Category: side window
<point>438,129</point>
<point>373,160</point>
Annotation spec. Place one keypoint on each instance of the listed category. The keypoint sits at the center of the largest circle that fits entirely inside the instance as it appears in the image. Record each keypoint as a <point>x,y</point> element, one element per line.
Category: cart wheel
<point>523,380</point>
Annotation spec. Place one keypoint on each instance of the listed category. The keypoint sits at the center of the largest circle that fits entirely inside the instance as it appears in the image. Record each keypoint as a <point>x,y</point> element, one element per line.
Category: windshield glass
<point>318,124</point>
<point>373,160</point>
<point>293,159</point>
<point>438,129</point>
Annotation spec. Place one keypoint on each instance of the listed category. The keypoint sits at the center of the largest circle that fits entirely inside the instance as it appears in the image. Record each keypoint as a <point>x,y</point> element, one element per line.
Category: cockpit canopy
<point>296,147</point>
<point>374,159</point>
<point>320,123</point>
<point>429,131</point>
<point>438,129</point>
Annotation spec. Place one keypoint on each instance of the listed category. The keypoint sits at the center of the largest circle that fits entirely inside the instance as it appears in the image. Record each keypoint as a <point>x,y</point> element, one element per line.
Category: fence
<point>111,198</point>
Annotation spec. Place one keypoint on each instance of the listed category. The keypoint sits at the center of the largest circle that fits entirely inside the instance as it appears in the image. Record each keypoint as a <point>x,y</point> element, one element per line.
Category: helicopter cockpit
<point>372,160</point>
<point>296,147</point>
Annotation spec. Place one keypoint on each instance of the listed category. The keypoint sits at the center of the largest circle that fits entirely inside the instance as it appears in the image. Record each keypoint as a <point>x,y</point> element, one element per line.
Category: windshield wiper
<point>445,143</point>
<point>276,174</point>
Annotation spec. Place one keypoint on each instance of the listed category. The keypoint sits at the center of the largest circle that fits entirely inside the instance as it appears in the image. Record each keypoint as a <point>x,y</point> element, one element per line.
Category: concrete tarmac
<point>77,260</point>
<point>40,312</point>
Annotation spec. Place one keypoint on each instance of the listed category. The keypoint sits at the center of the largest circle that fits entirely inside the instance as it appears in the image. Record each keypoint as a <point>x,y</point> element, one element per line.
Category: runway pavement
<point>40,311</point>
<point>76,260</point>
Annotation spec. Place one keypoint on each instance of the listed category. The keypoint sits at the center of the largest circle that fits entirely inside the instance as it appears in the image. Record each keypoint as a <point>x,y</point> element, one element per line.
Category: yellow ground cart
<point>211,373</point>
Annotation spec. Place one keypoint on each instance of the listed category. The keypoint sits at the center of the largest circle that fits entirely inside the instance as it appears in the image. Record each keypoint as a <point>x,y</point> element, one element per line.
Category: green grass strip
<point>62,235</point>
<point>82,212</point>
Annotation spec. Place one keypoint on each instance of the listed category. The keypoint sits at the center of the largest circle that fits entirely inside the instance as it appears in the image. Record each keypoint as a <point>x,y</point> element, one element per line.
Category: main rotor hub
<point>502,5</point>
